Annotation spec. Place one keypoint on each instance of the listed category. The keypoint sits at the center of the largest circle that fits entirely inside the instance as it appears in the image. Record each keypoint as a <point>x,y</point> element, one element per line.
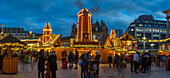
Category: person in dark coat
<point>41,64</point>
<point>71,59</point>
<point>131,62</point>
<point>76,58</point>
<point>97,58</point>
<point>149,62</point>
<point>109,60</point>
<point>116,61</point>
<point>84,66</point>
<point>144,62</point>
<point>1,59</point>
<point>53,63</point>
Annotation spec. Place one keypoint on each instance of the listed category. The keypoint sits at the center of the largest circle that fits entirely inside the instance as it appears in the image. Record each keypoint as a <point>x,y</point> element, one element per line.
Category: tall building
<point>119,32</point>
<point>15,31</point>
<point>99,31</point>
<point>84,29</point>
<point>147,27</point>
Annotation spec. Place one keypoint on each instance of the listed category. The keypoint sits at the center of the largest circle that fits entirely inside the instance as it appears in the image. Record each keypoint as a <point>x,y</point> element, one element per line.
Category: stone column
<point>167,27</point>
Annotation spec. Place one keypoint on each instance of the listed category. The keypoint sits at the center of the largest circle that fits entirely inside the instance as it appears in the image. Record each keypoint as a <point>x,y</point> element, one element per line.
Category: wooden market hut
<point>10,64</point>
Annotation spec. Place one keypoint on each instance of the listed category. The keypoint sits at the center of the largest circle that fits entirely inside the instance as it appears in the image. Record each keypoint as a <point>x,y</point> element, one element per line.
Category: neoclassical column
<point>167,18</point>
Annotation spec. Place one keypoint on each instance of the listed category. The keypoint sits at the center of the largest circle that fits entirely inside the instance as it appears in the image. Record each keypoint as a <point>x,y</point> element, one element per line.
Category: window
<point>139,34</point>
<point>146,21</point>
<point>153,22</point>
<point>96,29</point>
<point>140,24</point>
<point>131,29</point>
<point>155,35</point>
<point>146,25</point>
<point>132,25</point>
<point>94,36</point>
<point>160,22</point>
<point>160,30</point>
<point>155,26</point>
<point>162,26</point>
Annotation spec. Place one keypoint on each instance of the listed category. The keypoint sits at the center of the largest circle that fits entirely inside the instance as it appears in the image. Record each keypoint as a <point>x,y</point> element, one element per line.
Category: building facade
<point>119,32</point>
<point>99,31</point>
<point>147,27</point>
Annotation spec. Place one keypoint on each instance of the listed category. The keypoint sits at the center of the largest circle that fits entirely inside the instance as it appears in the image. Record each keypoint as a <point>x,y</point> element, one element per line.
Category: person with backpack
<point>109,60</point>
<point>116,61</point>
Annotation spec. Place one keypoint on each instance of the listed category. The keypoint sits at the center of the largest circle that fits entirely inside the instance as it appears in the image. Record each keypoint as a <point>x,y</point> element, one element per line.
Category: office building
<point>147,27</point>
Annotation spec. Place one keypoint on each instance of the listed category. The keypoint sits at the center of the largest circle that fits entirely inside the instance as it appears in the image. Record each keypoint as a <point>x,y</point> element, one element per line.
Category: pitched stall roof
<point>11,39</point>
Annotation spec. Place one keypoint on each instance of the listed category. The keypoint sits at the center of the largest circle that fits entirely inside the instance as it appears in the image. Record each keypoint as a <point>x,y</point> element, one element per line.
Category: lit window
<point>94,36</point>
<point>139,34</point>
<point>132,25</point>
<point>160,30</point>
<point>140,24</point>
<point>131,29</point>
<point>137,29</point>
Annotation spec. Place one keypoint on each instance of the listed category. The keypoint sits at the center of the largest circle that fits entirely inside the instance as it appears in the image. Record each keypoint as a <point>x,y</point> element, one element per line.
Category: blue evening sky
<point>33,14</point>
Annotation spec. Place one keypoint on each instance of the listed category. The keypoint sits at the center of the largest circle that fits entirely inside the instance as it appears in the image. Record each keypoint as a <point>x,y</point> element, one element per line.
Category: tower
<point>113,34</point>
<point>84,30</point>
<point>46,32</point>
<point>74,30</point>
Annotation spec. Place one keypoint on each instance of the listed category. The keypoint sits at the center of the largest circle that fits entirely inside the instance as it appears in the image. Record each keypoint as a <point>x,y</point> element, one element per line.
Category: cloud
<point>33,14</point>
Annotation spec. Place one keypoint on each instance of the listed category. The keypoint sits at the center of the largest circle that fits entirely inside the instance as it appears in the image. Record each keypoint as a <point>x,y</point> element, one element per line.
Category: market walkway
<point>105,72</point>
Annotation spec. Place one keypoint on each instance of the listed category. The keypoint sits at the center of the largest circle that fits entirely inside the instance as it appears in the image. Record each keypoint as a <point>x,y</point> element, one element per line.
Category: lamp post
<point>152,46</point>
<point>144,38</point>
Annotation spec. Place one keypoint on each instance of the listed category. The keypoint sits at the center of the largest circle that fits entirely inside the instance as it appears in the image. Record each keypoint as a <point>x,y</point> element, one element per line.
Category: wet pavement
<point>105,72</point>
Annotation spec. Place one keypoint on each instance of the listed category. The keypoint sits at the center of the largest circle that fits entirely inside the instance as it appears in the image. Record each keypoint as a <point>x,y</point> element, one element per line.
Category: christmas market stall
<point>10,43</point>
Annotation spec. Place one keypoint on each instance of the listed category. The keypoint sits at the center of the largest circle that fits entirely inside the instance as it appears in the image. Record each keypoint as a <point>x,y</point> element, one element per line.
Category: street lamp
<point>144,38</point>
<point>152,46</point>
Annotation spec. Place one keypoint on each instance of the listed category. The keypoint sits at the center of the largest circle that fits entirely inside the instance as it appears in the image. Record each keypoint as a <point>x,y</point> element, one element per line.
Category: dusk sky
<point>33,14</point>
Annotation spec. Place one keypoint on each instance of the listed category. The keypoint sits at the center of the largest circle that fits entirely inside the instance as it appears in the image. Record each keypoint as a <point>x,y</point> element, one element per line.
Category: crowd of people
<point>138,61</point>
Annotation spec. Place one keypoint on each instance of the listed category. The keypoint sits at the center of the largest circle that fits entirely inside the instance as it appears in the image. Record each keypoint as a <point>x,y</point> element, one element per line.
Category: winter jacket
<point>53,61</point>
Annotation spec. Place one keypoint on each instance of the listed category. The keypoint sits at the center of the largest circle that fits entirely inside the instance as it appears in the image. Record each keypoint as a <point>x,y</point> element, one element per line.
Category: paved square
<point>105,72</point>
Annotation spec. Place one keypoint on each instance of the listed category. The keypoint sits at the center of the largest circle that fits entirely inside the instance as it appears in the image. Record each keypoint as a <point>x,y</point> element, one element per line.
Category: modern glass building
<point>145,26</point>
